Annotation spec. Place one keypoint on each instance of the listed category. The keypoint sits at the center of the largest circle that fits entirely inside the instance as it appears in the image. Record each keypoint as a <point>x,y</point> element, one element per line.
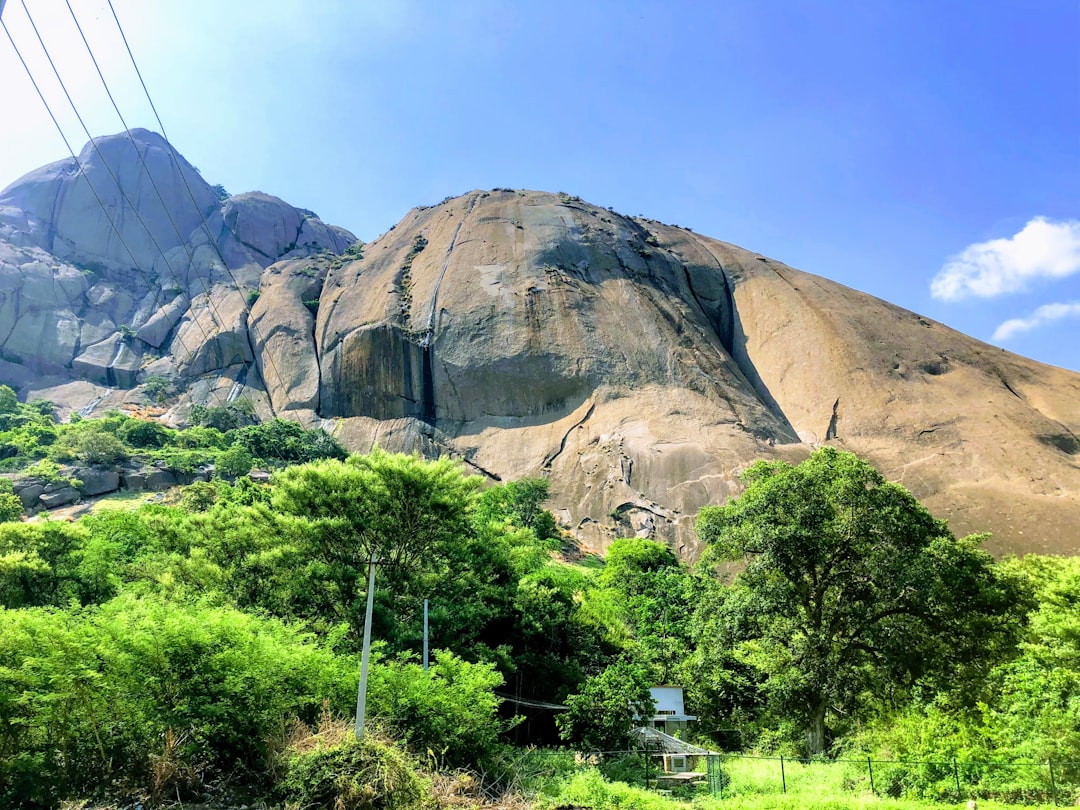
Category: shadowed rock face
<point>638,366</point>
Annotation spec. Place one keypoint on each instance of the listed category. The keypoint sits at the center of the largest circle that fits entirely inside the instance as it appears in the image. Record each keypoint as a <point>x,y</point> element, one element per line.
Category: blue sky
<point>924,151</point>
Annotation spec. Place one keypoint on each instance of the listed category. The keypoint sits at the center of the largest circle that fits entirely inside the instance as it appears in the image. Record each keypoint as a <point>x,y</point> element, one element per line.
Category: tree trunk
<point>816,735</point>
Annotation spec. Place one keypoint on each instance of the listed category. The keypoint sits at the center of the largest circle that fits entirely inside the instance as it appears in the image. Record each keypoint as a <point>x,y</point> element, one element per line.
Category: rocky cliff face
<point>639,366</point>
<point>126,264</point>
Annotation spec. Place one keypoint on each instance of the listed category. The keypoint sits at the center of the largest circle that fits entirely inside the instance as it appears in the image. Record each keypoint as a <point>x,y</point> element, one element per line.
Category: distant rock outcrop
<point>126,263</point>
<point>637,365</point>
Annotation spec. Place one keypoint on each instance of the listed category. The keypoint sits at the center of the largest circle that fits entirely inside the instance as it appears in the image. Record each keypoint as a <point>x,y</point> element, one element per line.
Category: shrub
<point>140,687</point>
<point>158,388</point>
<point>144,433</point>
<point>353,774</point>
<point>450,709</point>
<point>198,497</point>
<point>10,507</point>
<point>234,462</point>
<point>278,440</point>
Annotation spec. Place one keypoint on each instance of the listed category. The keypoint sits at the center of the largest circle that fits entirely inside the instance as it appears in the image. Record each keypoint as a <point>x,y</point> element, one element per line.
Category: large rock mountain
<point>637,365</point>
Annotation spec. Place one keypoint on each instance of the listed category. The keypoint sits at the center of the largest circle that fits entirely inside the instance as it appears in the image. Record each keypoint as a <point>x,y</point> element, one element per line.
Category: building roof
<point>658,742</point>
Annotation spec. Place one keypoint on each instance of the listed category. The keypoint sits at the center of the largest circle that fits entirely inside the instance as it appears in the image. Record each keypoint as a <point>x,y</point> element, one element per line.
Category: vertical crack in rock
<point>427,338</point>
<point>830,432</point>
<point>736,345</point>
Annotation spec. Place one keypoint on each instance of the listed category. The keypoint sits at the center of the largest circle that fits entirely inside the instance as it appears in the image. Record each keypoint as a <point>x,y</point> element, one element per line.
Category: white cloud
<point>1048,313</point>
<point>1043,249</point>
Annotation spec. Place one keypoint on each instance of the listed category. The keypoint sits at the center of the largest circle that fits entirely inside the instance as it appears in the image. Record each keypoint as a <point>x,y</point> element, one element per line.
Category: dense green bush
<point>90,696</point>
<point>282,441</point>
<point>144,433</point>
<point>450,709</point>
<point>369,774</point>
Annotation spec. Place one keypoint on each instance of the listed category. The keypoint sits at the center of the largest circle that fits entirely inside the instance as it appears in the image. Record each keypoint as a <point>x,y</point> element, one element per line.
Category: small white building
<point>670,715</point>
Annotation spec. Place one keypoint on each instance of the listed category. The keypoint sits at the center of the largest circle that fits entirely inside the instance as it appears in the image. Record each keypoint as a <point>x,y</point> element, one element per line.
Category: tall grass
<point>749,784</point>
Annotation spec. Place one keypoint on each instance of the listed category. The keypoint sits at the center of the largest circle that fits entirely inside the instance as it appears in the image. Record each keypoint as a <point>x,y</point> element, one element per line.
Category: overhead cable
<point>206,225</point>
<point>82,168</point>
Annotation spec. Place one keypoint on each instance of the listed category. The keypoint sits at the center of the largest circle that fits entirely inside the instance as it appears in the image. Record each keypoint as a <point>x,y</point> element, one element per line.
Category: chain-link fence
<point>946,780</point>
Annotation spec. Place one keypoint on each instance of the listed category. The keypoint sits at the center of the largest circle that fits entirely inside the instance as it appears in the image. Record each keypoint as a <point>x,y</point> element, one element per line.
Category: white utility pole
<point>361,693</point>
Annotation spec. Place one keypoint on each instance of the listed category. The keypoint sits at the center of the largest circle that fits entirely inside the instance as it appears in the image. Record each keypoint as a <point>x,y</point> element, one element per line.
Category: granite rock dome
<point>638,365</point>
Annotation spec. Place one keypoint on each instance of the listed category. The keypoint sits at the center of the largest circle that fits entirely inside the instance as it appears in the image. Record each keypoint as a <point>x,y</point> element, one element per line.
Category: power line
<point>115,179</point>
<point>206,225</point>
<point>153,183</point>
<point>82,168</point>
<point>535,704</point>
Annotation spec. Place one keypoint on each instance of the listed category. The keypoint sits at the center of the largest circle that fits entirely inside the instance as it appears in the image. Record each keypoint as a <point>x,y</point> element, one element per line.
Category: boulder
<point>157,480</point>
<point>61,496</point>
<point>29,490</point>
<point>97,481</point>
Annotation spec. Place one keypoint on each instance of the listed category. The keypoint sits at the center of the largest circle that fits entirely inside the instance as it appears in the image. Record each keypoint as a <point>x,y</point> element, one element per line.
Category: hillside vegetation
<point>192,650</point>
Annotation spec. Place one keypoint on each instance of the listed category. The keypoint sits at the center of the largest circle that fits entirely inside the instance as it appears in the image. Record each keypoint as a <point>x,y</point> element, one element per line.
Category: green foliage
<point>589,789</point>
<point>41,567</point>
<point>518,503</point>
<point>92,695</point>
<point>158,388</point>
<point>369,774</point>
<point>26,430</point>
<point>234,462</point>
<point>96,441</point>
<point>235,415</point>
<point>450,710</point>
<point>11,507</point>
<point>198,497</point>
<point>1029,707</point>
<point>647,593</point>
<point>600,716</point>
<point>851,589</point>
<point>144,433</point>
<point>287,442</point>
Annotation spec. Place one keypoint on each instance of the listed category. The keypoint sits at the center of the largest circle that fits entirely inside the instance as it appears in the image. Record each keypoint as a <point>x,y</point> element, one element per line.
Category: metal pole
<point>956,776</point>
<point>1053,784</point>
<point>870,768</point>
<point>361,693</point>
<point>425,636</point>
<point>783,776</point>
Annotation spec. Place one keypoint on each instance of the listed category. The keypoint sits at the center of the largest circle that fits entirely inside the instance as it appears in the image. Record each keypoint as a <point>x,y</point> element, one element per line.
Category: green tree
<point>602,715</point>
<point>850,589</point>
<point>519,504</point>
<point>144,433</point>
<point>11,507</point>
<point>278,440</point>
<point>450,709</point>
<point>652,594</point>
<point>407,512</point>
<point>234,462</point>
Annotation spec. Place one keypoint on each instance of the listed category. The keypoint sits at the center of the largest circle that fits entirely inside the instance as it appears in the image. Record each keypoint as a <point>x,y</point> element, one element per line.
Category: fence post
<point>783,776</point>
<point>870,769</point>
<point>1053,784</point>
<point>956,776</point>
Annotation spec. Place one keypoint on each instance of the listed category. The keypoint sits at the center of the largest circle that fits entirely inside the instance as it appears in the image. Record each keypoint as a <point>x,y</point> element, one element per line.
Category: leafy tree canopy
<point>850,588</point>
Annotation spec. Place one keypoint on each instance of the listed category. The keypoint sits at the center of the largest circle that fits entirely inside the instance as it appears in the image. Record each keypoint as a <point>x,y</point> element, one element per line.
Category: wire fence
<point>953,780</point>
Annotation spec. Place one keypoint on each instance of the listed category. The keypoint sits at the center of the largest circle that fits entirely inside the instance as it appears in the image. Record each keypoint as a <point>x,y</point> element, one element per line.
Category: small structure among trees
<point>669,714</point>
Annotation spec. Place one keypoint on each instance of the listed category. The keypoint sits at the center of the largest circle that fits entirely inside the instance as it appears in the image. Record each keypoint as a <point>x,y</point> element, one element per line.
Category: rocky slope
<point>637,365</point>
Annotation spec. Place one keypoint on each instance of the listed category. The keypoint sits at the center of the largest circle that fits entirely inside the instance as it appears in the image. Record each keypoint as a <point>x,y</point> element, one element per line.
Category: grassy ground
<point>750,785</point>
